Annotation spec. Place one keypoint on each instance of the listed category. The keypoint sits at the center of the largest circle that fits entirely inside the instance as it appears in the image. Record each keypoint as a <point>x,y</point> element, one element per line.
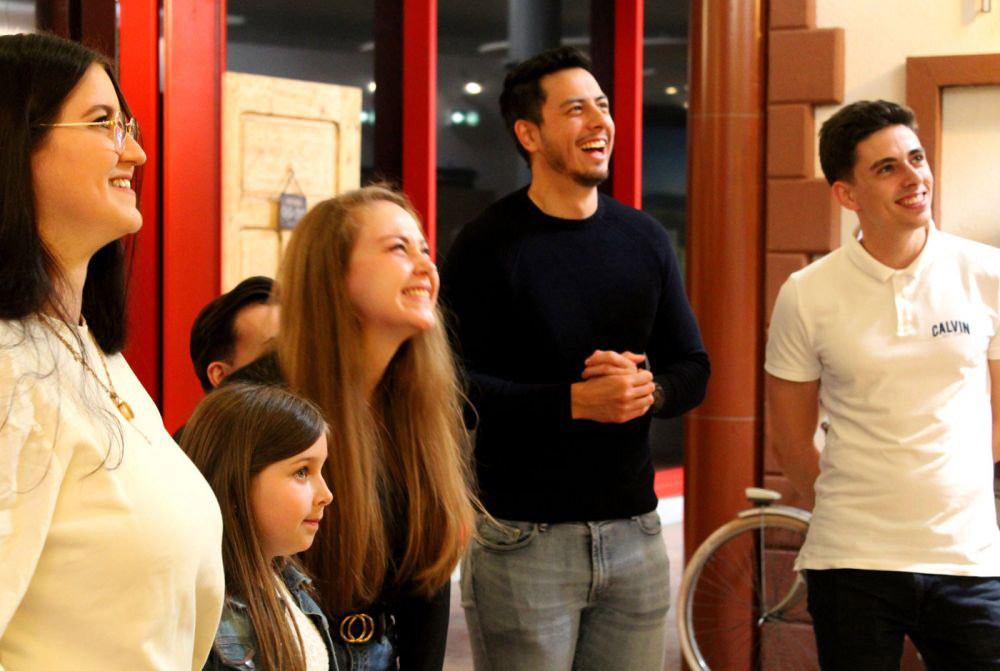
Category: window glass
<point>313,40</point>
<point>17,16</point>
<point>477,161</point>
<point>664,159</point>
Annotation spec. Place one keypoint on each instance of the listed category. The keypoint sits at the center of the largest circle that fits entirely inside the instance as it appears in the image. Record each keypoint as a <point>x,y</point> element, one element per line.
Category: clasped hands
<point>613,388</point>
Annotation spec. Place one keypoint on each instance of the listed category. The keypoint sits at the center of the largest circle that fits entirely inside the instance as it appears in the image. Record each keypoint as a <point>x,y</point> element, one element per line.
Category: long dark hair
<point>37,73</point>
<point>235,433</point>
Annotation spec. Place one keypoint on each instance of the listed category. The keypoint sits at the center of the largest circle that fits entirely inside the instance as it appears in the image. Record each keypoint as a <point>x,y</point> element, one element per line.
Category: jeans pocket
<point>503,535</point>
<point>649,523</point>
<point>234,652</point>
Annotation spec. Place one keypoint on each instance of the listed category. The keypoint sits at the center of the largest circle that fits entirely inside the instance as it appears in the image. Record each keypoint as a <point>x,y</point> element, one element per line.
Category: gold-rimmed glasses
<point>117,124</point>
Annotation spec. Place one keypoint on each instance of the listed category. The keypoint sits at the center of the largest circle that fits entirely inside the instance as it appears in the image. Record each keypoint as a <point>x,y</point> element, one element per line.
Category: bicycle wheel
<point>740,603</point>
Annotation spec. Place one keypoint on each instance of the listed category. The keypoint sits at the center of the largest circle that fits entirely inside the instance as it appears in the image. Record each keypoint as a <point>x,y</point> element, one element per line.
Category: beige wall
<point>879,36</point>
<point>970,130</point>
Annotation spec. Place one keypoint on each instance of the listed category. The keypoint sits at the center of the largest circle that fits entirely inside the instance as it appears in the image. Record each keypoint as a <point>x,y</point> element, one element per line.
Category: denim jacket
<point>236,640</point>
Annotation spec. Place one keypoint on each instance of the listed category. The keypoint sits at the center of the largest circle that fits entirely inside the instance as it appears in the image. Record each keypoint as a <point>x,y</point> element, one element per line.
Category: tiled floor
<point>459,657</point>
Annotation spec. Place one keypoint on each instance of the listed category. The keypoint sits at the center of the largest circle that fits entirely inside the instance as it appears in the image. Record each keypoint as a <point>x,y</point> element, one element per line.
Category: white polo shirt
<point>906,477</point>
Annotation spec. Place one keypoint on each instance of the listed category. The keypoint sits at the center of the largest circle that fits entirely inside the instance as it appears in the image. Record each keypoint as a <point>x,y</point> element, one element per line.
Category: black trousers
<point>860,618</point>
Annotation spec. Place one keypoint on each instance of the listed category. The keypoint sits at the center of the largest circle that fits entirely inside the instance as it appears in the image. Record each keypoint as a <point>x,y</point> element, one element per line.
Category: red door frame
<point>193,63</point>
<point>139,75</point>
<point>420,111</point>
<point>627,176</point>
<point>194,44</point>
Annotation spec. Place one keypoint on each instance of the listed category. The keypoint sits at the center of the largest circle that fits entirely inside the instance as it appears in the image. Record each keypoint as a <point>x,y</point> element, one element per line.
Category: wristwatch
<point>659,397</point>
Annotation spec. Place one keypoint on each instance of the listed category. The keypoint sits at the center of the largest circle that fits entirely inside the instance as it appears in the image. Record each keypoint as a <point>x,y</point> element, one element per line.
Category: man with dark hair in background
<point>895,334</point>
<point>233,330</point>
<point>572,323</point>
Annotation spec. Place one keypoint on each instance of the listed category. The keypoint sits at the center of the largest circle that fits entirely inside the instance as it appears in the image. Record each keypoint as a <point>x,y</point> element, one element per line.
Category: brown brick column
<point>725,224</point>
<point>725,245</point>
<point>805,68</point>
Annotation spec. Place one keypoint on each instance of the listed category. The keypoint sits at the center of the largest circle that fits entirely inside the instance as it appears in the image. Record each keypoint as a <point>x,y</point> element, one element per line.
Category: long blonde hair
<point>397,460</point>
<point>233,434</point>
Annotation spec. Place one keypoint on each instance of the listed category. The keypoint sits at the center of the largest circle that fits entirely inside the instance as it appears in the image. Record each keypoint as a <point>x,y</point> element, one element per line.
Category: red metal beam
<point>627,174</point>
<point>420,110</point>
<point>139,75</point>
<point>194,60</point>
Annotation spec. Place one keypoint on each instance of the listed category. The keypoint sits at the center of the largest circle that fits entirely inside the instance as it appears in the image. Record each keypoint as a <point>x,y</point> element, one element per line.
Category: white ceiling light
<point>670,90</point>
<point>371,87</point>
<point>473,88</point>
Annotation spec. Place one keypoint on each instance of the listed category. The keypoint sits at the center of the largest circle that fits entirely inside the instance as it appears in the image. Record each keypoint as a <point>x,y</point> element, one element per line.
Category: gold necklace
<point>123,407</point>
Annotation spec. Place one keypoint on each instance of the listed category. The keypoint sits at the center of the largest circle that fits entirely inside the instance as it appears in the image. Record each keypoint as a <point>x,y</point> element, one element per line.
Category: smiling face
<point>287,499</point>
<point>576,135</point>
<point>83,189</point>
<point>891,184</point>
<point>391,280</point>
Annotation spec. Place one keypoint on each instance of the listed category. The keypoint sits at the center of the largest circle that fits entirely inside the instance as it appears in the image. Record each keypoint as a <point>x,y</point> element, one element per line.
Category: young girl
<point>262,450</point>
<point>361,336</point>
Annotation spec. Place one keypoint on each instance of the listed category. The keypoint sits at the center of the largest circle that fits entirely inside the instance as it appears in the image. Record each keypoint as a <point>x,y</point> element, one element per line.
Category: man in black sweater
<point>572,323</point>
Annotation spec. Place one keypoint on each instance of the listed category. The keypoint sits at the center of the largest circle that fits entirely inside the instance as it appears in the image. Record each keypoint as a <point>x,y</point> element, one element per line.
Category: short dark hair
<point>37,74</point>
<point>841,134</point>
<point>213,336</point>
<point>522,96</point>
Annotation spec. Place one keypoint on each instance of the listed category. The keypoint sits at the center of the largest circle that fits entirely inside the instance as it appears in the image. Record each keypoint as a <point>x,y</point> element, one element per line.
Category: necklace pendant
<point>125,409</point>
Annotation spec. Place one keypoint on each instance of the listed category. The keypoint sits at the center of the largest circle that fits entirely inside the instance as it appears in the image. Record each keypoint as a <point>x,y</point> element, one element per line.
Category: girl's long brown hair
<point>405,450</point>
<point>234,433</point>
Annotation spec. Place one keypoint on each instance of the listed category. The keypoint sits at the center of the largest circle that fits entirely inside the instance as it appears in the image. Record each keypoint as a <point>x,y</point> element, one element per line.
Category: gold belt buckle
<point>348,628</point>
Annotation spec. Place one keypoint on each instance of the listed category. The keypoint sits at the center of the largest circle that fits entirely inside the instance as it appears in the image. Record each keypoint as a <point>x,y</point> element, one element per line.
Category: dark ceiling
<point>464,28</point>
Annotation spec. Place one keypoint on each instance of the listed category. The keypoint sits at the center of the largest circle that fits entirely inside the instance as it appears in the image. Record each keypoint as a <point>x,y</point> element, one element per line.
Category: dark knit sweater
<point>531,297</point>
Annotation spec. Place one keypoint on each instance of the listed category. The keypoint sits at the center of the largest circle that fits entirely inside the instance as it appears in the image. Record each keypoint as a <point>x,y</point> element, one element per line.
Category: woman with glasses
<point>109,537</point>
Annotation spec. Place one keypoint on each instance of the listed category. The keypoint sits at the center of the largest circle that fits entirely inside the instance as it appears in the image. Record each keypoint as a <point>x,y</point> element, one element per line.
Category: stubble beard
<point>590,179</point>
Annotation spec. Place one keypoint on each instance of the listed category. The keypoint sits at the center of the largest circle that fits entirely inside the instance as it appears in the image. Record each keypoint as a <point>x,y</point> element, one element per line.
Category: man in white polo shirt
<point>895,335</point>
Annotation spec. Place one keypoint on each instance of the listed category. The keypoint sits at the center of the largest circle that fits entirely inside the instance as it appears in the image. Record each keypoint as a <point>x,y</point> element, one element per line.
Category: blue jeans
<point>860,618</point>
<point>375,655</point>
<point>582,596</point>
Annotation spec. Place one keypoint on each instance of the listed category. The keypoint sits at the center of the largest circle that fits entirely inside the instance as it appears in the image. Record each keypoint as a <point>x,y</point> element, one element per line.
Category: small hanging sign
<point>291,206</point>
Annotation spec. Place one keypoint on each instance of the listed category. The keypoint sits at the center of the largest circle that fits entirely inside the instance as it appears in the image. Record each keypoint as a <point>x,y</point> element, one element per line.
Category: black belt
<point>358,628</point>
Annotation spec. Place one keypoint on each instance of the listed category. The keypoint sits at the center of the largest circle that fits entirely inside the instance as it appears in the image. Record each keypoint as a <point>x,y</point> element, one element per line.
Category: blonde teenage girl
<point>361,336</point>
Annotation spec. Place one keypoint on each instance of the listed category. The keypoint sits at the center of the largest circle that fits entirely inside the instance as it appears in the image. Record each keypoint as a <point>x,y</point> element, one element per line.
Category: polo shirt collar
<point>869,265</point>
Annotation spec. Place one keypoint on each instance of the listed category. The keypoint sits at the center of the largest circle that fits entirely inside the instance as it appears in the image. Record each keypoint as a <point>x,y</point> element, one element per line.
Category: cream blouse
<point>110,538</point>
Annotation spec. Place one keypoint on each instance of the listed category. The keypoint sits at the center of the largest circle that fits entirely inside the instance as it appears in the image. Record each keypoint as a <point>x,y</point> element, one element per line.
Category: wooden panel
<point>98,29</point>
<point>781,642</point>
<point>272,129</point>
<point>259,252</point>
<point>793,14</point>
<point>790,141</point>
<point>925,77</point>
<point>806,66</point>
<point>802,216</point>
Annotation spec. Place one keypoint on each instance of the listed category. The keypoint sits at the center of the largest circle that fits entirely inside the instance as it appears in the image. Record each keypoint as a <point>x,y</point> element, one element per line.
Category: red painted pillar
<point>420,110</point>
<point>139,74</point>
<point>194,60</point>
<point>627,175</point>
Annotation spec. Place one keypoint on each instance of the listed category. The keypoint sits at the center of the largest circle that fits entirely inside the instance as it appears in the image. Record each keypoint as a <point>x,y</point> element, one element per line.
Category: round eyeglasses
<point>117,124</point>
